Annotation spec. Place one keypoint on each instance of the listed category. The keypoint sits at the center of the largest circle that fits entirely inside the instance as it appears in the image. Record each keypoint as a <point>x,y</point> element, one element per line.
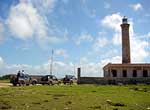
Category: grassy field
<point>76,97</point>
<point>4,81</point>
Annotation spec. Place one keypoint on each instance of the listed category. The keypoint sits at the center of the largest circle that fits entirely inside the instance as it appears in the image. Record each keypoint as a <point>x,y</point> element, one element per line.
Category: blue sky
<point>82,33</point>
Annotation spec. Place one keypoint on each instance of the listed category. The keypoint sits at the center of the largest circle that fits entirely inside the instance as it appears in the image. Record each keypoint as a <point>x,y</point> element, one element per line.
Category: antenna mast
<point>51,63</point>
<point>74,69</point>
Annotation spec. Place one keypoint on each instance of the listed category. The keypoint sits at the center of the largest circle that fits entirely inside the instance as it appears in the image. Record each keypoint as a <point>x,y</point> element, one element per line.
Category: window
<point>114,73</point>
<point>134,73</point>
<point>124,73</point>
<point>145,73</point>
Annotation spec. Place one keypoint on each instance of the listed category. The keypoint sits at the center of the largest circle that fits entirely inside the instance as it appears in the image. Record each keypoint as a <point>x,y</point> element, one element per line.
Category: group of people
<point>20,74</point>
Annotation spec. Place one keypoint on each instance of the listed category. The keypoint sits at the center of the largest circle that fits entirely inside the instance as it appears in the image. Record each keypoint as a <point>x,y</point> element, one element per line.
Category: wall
<point>101,80</point>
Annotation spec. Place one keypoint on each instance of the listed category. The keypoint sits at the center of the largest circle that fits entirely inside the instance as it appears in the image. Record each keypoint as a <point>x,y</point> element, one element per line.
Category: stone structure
<point>104,80</point>
<point>78,75</point>
<point>125,41</point>
<point>126,69</point>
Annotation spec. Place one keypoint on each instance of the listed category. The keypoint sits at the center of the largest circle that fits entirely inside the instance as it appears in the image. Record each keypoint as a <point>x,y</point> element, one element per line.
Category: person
<point>18,75</point>
<point>22,71</point>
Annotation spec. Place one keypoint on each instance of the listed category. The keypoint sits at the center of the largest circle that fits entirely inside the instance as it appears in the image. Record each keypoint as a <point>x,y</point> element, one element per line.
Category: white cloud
<point>148,35</point>
<point>138,49</point>
<point>61,52</point>
<point>44,6</point>
<point>1,61</point>
<point>88,68</point>
<point>60,69</point>
<point>103,62</point>
<point>84,37</point>
<point>57,39</point>
<point>24,21</point>
<point>91,69</point>
<point>83,60</point>
<point>136,6</point>
<point>94,69</point>
<point>100,42</point>
<point>48,4</point>
<point>115,59</point>
<point>116,38</point>
<point>112,21</point>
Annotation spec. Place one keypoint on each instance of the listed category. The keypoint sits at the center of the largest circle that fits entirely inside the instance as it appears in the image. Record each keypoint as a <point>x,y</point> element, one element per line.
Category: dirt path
<point>5,84</point>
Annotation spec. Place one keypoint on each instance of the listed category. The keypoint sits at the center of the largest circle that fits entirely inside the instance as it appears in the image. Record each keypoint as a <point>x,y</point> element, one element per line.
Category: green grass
<point>76,97</point>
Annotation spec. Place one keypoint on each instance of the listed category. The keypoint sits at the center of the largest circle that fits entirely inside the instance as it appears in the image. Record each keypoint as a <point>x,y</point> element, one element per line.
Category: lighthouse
<point>125,41</point>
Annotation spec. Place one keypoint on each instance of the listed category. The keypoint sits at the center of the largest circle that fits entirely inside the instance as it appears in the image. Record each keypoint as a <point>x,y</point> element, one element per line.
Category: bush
<point>5,77</point>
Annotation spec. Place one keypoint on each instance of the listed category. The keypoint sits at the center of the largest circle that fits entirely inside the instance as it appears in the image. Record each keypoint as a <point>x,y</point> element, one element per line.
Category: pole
<point>78,74</point>
<point>74,69</point>
<point>51,63</point>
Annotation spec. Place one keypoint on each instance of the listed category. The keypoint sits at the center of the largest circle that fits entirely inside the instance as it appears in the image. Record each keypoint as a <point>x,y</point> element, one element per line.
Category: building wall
<point>108,72</point>
<point>103,80</point>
